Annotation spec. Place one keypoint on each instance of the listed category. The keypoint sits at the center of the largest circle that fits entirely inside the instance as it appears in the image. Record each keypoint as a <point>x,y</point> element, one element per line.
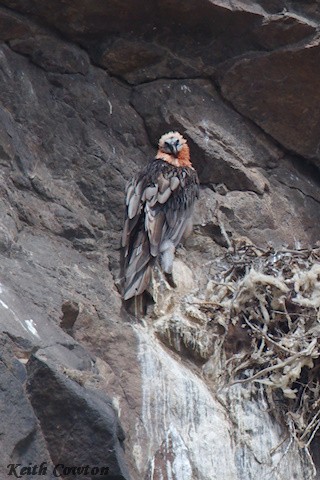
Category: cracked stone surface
<point>86,91</point>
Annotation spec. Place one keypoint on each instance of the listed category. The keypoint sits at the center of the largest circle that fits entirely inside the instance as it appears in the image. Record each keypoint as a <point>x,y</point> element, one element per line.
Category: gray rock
<point>52,54</point>
<point>22,441</point>
<point>79,425</point>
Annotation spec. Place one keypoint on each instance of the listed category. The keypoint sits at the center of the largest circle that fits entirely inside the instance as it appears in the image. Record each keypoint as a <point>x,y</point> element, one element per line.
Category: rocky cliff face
<point>87,88</point>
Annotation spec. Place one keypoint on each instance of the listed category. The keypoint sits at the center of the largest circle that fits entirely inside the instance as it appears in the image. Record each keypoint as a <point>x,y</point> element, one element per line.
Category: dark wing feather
<point>179,207</point>
<point>159,205</point>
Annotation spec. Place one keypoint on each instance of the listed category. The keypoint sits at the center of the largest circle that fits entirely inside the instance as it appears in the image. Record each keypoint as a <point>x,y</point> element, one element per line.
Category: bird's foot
<point>181,251</point>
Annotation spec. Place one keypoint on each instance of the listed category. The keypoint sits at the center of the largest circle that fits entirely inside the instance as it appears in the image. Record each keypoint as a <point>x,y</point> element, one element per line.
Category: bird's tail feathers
<point>135,295</point>
<point>138,283</point>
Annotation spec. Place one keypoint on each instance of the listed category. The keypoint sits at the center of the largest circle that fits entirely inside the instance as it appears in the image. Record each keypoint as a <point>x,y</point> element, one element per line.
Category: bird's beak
<point>173,149</point>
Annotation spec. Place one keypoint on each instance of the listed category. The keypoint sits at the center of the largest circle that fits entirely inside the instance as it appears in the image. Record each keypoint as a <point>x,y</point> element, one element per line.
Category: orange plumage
<point>181,158</point>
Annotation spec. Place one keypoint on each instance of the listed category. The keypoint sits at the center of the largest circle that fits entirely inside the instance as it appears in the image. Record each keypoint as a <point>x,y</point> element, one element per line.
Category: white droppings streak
<point>14,315</point>
<point>4,305</point>
<point>177,404</point>
<point>180,467</point>
<point>31,327</point>
<point>297,244</point>
<point>185,433</point>
<point>185,89</point>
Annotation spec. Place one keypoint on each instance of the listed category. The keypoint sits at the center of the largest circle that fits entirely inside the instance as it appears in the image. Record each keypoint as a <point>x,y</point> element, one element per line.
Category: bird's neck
<point>181,160</point>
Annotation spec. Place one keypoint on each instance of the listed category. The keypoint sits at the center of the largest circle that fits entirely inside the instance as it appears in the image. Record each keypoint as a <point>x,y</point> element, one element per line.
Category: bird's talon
<point>170,280</point>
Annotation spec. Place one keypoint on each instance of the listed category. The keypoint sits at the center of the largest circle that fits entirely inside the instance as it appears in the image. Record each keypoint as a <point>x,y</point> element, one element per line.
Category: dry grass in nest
<point>268,303</point>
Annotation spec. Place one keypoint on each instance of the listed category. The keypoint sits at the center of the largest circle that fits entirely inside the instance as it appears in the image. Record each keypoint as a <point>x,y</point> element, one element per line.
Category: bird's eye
<point>176,143</point>
<point>167,144</point>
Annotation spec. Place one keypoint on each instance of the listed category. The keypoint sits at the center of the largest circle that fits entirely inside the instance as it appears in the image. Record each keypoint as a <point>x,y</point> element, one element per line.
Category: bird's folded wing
<point>158,209</point>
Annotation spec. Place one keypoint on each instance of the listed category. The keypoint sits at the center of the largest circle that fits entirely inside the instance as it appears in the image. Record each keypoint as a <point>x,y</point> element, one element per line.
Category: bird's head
<point>173,148</point>
<point>172,143</point>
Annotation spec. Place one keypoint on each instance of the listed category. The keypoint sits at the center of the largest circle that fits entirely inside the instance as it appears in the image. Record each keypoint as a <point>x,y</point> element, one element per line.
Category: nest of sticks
<point>266,304</point>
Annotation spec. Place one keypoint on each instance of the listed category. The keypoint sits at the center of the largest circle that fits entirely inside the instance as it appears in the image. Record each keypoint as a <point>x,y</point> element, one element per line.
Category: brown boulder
<point>279,92</point>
